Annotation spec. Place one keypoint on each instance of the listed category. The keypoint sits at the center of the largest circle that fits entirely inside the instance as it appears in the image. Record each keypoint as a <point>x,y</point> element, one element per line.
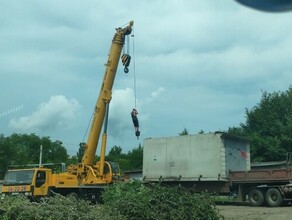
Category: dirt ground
<point>255,213</point>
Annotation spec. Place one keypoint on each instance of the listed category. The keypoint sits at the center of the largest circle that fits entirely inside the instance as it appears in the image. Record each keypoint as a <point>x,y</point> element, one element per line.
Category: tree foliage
<point>7,151</point>
<point>135,158</point>
<point>135,200</point>
<point>269,126</point>
<point>53,208</point>
<point>184,132</point>
<point>121,201</point>
<point>23,149</point>
<point>132,160</point>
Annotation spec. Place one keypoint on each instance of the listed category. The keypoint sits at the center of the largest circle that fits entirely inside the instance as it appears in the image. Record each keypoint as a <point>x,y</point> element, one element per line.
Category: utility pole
<point>41,155</point>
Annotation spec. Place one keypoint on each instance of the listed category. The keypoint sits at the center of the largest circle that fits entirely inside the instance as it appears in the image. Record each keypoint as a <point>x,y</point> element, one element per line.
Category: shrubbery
<point>54,208</point>
<point>123,201</point>
<point>137,201</point>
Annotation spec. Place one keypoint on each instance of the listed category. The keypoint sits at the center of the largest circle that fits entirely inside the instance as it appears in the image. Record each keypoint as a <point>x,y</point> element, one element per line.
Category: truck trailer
<point>215,162</point>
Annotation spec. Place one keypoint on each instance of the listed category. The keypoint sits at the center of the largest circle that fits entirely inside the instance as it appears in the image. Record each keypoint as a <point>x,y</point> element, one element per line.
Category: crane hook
<point>126,58</point>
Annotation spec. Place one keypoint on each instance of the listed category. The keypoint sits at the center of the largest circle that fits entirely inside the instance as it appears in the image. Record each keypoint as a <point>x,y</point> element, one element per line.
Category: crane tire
<point>274,197</point>
<point>256,197</point>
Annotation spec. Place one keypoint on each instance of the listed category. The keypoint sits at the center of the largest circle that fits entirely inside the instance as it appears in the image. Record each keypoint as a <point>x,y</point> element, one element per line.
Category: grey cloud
<point>212,58</point>
<point>57,113</point>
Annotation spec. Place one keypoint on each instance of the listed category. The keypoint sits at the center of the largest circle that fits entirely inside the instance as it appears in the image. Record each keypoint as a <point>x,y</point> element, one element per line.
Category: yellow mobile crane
<point>85,179</point>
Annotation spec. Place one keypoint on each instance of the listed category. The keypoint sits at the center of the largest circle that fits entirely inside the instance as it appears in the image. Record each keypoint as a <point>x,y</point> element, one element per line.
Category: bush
<point>54,208</point>
<point>137,201</point>
<point>121,201</point>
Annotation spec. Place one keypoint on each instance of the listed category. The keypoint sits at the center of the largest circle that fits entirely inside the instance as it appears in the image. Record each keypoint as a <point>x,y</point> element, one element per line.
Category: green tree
<point>135,158</point>
<point>130,161</point>
<point>127,161</point>
<point>201,132</point>
<point>184,132</point>
<point>116,154</point>
<point>269,126</point>
<point>72,160</point>
<point>28,149</point>
<point>115,151</point>
<point>80,152</point>
<point>7,153</point>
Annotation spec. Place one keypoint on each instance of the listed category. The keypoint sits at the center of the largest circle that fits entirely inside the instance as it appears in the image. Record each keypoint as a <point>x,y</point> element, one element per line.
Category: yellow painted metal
<point>30,187</point>
<point>102,152</point>
<point>16,189</point>
<point>85,173</point>
<point>64,180</point>
<point>105,93</point>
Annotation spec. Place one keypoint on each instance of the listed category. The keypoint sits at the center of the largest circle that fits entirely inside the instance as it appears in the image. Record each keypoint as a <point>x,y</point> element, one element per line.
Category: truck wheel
<point>256,197</point>
<point>274,197</point>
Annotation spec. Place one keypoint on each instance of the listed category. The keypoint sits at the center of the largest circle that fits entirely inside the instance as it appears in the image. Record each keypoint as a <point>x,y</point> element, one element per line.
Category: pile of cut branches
<point>122,201</point>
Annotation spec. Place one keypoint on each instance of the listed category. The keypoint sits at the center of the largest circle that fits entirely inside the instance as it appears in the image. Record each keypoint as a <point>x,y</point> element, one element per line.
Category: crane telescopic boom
<point>105,93</point>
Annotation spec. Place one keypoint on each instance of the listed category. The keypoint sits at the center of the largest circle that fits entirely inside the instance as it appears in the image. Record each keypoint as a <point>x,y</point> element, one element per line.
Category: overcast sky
<point>198,65</point>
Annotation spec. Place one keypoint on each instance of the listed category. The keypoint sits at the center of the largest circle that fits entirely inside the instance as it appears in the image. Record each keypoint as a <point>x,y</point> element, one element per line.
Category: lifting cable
<point>135,120</point>
<point>134,69</point>
<point>126,61</point>
<point>126,58</point>
<point>86,131</point>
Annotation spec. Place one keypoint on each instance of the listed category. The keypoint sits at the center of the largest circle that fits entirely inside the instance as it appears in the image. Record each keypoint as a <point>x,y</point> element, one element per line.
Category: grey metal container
<point>200,157</point>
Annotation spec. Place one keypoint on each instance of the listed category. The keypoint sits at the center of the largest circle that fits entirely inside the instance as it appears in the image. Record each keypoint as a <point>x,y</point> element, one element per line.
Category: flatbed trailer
<point>271,187</point>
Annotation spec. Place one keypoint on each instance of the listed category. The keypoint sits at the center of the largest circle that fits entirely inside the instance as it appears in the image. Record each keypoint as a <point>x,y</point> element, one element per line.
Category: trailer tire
<point>274,197</point>
<point>256,197</point>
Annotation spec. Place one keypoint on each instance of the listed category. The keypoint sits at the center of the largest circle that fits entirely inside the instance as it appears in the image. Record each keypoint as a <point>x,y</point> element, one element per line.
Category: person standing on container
<point>134,114</point>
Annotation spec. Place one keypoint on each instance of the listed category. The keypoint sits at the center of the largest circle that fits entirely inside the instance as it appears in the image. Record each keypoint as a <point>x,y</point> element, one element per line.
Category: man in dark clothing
<point>134,114</point>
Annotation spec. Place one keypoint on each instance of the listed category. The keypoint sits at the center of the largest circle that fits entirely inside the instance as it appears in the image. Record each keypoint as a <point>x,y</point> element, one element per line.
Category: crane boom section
<point>105,93</point>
